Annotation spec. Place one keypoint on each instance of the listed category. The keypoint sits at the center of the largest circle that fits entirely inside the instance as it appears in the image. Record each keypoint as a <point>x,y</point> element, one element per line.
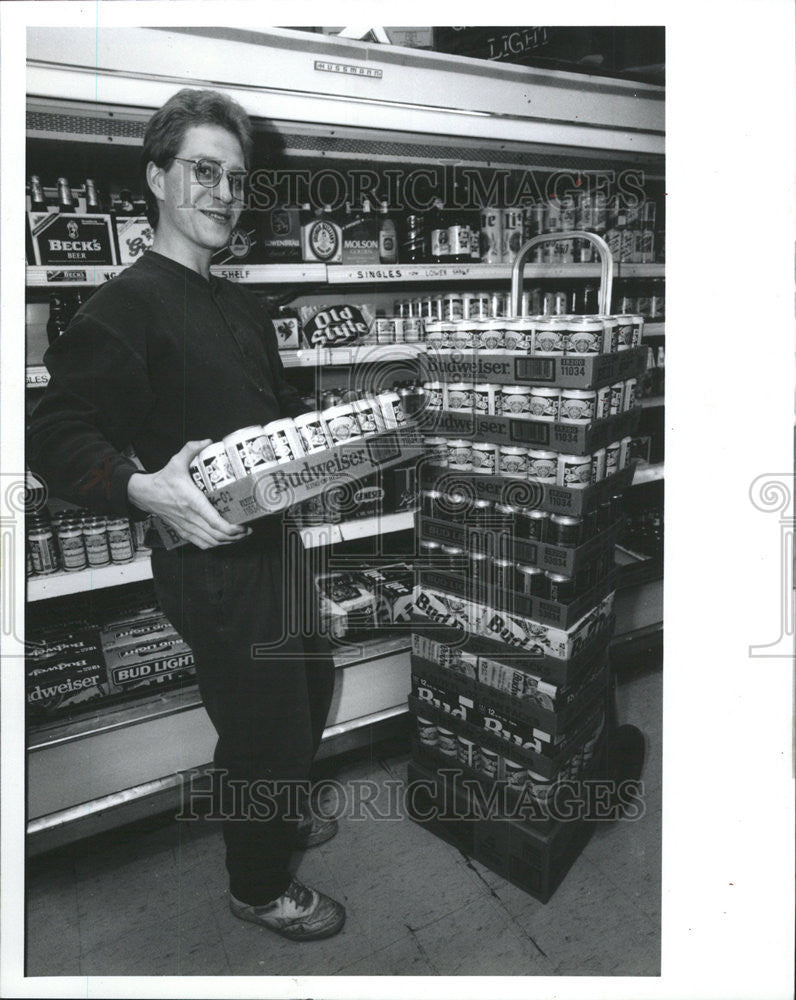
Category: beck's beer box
<point>66,240</point>
<point>134,235</point>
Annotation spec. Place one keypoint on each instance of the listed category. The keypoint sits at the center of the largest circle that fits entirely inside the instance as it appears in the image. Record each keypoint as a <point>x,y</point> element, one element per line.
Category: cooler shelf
<point>344,274</point>
<point>316,535</point>
<point>93,578</point>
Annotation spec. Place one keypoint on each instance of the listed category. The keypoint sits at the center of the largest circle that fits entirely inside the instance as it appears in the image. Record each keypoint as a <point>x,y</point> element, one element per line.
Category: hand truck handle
<point>606,267</point>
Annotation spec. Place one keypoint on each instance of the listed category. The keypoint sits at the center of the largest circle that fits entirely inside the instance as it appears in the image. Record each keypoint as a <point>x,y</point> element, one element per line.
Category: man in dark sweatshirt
<point>167,358</point>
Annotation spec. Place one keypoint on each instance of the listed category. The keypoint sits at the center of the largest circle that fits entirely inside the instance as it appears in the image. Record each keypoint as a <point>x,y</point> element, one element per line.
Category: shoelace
<point>300,894</point>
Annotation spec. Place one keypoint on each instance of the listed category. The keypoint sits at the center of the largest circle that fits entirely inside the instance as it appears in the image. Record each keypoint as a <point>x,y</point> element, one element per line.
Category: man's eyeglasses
<point>208,173</point>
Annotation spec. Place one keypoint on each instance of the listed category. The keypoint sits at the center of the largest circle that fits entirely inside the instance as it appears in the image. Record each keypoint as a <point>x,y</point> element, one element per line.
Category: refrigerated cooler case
<point>318,104</point>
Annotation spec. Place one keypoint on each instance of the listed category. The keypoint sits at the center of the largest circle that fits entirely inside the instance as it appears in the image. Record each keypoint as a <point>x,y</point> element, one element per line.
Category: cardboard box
<point>513,603</point>
<point>289,483</point>
<point>286,329</point>
<point>557,558</point>
<point>134,235</point>
<point>571,439</point>
<point>68,240</point>
<point>572,371</point>
<point>281,235</point>
<point>142,663</point>
<point>244,245</point>
<point>536,496</point>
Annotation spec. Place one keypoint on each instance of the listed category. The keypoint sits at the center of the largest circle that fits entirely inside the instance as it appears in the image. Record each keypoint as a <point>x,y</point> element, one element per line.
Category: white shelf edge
<point>647,473</point>
<point>315,535</point>
<point>60,584</point>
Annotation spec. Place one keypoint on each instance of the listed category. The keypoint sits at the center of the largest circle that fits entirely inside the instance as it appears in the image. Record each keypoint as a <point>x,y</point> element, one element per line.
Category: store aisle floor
<point>151,900</point>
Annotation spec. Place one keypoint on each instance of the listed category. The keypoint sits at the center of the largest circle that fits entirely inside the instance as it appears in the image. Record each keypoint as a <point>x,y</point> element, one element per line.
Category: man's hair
<point>166,130</point>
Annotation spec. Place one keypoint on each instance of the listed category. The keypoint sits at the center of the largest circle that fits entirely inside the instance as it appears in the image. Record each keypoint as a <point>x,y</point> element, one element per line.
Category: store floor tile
<point>152,899</point>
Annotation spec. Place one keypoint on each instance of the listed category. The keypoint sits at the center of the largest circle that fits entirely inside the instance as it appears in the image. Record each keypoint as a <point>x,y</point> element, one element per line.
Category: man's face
<point>202,217</point>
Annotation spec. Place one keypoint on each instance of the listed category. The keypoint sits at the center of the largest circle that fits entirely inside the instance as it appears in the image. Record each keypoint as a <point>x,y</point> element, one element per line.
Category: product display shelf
<point>315,535</point>
<point>56,276</point>
<point>93,578</point>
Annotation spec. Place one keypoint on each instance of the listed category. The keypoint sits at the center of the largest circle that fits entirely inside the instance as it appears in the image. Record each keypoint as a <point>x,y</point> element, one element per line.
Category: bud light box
<point>279,487</point>
<point>59,238</point>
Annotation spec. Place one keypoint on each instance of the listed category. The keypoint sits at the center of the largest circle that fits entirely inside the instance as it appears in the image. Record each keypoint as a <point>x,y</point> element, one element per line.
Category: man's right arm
<point>98,396</point>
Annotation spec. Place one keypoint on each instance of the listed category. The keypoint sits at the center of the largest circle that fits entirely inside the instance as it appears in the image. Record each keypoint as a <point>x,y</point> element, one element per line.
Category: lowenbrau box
<point>279,487</point>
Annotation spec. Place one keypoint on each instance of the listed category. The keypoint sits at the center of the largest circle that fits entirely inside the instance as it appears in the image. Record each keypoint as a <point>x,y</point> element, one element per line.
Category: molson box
<point>360,240</point>
<point>58,238</point>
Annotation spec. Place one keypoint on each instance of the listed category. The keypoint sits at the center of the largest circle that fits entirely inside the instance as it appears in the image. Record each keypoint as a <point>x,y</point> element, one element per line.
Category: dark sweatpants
<point>266,688</point>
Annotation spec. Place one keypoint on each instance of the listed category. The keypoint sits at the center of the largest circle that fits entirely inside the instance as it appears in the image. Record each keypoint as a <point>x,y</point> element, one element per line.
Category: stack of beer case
<point>511,693</point>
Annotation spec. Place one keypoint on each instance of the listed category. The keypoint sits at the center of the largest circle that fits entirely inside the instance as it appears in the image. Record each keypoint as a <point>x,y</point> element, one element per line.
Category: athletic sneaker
<point>300,913</point>
<point>315,830</point>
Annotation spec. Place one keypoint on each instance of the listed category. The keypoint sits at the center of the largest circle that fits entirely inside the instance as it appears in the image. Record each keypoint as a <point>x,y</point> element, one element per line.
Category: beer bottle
<point>388,241</point>
<point>458,229</point>
<point>92,199</point>
<point>38,202</point>
<point>57,322</point>
<point>125,205</point>
<point>413,244</point>
<point>439,251</point>
<point>66,201</point>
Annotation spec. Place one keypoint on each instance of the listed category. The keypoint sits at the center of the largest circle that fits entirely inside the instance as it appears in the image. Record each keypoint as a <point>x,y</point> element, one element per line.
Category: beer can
<point>392,409</point>
<point>560,305</point>
<point>492,236</point>
<point>465,751</point>
<point>488,762</point>
<point>550,337</point>
<point>516,401</point>
<point>497,305</point>
<point>120,540</point>
<point>448,331</point>
<point>42,548</point>
<point>638,330</point>
<point>542,465</point>
<point>624,332</point>
<point>436,450</point>
<point>602,406</point>
<point>491,335</point>
<point>624,452</point>
<point>416,307</point>
<point>565,530</point>
<point>215,465</point>
<point>429,503</point>
<point>516,775</point>
<point>480,307</point>
<point>513,462</point>
<point>446,741</point>
<point>578,406</point>
<point>368,415</point>
<point>400,307</point>
<point>434,395</point>
<point>485,457</point>
<point>384,330</point>
<point>531,581</point>
<point>549,304</point>
<point>460,397</point>
<point>331,397</point>
<point>284,438</point>
<point>545,402</point>
<point>452,307</point>
<point>598,465</point>
<point>574,471</point>
<point>463,338</point>
<point>511,240</point>
<point>485,397</point>
<point>627,303</point>
<point>72,546</point>
<point>629,395</point>
<point>610,334</point>
<point>249,451</point>
<point>560,588</point>
<point>95,538</point>
<point>469,306</point>
<point>531,525</point>
<point>612,458</point>
<point>427,732</point>
<point>585,336</point>
<point>434,338</point>
<point>617,398</point>
<point>518,335</point>
<point>412,328</point>
<point>195,471</point>
<point>460,454</point>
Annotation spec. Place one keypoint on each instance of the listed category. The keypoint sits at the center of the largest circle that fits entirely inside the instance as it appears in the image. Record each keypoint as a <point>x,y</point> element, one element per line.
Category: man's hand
<point>173,496</point>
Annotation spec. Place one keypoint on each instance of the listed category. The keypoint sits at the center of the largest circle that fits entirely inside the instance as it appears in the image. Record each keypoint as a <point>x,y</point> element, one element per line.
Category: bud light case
<point>71,240</point>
